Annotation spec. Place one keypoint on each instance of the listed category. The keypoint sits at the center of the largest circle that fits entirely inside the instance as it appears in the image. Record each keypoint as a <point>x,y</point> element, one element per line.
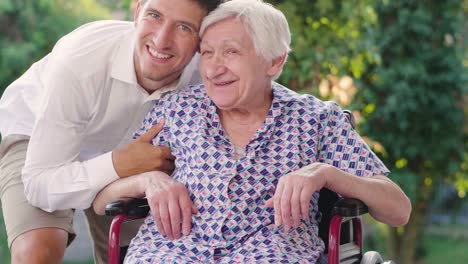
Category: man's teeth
<point>158,55</point>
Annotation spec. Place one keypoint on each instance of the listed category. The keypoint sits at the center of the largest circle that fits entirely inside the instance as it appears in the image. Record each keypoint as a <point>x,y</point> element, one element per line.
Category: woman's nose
<point>213,67</point>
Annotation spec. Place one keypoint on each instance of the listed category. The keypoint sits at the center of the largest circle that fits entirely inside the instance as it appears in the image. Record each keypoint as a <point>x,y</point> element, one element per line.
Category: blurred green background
<point>401,66</point>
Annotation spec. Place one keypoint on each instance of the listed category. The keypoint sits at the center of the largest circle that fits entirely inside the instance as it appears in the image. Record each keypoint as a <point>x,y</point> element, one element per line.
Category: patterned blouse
<point>233,224</point>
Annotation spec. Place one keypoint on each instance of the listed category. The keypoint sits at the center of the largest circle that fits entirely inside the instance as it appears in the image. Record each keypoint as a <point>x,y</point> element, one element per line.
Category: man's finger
<point>152,132</point>
<point>164,152</point>
<point>165,165</point>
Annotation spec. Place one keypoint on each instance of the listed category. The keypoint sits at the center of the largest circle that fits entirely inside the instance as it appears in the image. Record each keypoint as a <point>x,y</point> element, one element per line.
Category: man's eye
<point>185,28</point>
<point>155,15</point>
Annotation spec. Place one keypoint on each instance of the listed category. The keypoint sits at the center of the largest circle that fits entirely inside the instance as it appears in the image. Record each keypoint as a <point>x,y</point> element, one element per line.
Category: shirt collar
<point>282,94</point>
<point>123,68</point>
<point>156,95</point>
<point>281,97</point>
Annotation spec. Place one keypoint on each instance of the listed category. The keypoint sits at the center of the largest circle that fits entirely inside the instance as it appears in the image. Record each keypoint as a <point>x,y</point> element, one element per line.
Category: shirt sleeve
<point>54,176</point>
<point>342,147</point>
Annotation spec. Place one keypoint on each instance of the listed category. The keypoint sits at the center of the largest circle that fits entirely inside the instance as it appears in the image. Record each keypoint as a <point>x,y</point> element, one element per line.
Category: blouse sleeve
<point>152,118</point>
<point>342,147</point>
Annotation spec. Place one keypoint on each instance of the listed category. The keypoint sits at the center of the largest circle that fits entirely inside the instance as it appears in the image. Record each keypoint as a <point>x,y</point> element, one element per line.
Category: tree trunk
<point>408,240</point>
<point>393,243</point>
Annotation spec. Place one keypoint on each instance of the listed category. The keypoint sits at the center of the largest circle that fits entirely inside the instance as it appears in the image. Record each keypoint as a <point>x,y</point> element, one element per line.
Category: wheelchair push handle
<point>349,207</point>
<point>134,207</point>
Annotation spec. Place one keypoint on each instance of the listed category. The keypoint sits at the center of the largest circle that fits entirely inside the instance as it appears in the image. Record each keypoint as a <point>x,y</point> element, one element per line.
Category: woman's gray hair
<point>266,25</point>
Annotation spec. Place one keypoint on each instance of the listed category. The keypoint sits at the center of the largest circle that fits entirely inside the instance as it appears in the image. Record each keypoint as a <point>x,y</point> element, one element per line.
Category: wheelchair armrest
<point>132,208</point>
<point>349,207</point>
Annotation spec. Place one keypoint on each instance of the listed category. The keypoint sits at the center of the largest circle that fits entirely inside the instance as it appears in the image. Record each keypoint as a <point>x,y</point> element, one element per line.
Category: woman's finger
<point>174,216</point>
<point>286,206</point>
<point>277,203</point>
<point>187,208</point>
<point>296,206</point>
<point>157,218</point>
<point>166,220</point>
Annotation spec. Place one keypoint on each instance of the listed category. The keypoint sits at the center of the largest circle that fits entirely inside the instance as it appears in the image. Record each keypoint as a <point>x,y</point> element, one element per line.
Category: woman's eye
<point>205,52</point>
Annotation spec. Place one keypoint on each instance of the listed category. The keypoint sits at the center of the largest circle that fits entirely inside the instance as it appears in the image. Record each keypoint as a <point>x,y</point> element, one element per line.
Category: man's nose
<point>163,36</point>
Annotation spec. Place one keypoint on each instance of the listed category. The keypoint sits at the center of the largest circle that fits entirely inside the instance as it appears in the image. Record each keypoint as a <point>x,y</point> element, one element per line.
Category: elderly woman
<point>252,156</point>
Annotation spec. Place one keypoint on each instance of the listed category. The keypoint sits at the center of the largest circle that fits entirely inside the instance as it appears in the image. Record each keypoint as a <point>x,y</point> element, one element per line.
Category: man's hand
<point>141,156</point>
<point>170,203</point>
<point>293,193</point>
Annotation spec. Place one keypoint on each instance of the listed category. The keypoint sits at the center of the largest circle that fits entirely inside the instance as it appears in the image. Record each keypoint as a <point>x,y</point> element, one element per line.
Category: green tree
<point>29,29</point>
<point>328,38</point>
<point>405,60</point>
<point>414,104</point>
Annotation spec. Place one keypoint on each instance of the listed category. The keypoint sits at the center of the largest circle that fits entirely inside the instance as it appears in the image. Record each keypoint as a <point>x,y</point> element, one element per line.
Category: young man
<point>69,119</point>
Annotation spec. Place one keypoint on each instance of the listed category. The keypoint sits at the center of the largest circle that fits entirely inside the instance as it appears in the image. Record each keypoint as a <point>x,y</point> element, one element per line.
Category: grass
<point>441,249</point>
<point>4,251</point>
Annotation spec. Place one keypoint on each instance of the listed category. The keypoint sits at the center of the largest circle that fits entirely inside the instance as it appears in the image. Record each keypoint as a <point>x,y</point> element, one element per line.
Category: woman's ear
<point>277,65</point>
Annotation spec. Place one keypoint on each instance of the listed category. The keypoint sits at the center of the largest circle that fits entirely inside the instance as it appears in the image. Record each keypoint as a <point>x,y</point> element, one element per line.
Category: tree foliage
<point>29,29</point>
<point>413,104</point>
<point>328,37</point>
<point>416,94</point>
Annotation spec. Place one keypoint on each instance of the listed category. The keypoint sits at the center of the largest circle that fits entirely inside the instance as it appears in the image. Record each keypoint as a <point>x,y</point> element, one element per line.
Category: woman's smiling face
<point>232,71</point>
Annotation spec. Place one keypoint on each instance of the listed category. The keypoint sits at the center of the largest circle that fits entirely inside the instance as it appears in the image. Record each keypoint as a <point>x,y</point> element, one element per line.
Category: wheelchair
<point>340,226</point>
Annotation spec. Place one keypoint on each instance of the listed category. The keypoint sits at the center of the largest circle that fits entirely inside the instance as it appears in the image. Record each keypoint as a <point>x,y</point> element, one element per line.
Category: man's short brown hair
<point>207,5</point>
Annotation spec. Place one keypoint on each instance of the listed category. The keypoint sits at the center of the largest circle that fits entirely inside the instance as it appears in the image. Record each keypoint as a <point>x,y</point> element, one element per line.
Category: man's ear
<point>136,16</point>
<point>277,65</point>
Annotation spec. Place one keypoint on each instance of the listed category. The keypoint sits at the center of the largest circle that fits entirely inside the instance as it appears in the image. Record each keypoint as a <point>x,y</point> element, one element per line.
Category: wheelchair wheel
<point>371,257</point>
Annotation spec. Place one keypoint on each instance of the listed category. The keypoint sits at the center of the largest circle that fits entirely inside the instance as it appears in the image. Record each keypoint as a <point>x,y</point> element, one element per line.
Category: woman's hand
<point>170,203</point>
<point>293,194</point>
<point>386,201</point>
